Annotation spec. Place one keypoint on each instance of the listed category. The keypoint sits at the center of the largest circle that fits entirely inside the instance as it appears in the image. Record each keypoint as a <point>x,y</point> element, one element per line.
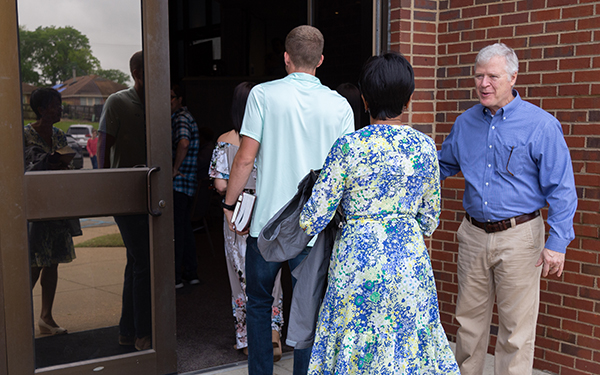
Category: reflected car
<point>81,133</point>
<point>74,144</point>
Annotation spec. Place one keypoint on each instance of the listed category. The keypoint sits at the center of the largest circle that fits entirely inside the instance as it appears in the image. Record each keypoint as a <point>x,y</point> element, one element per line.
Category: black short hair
<point>136,62</point>
<point>387,83</point>
<point>238,104</point>
<point>41,98</point>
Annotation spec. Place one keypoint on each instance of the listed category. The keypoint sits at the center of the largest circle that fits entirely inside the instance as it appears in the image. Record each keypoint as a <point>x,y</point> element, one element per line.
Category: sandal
<point>277,353</point>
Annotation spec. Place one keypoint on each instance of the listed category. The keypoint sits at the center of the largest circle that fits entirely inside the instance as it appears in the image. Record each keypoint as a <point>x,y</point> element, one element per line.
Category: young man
<point>289,126</point>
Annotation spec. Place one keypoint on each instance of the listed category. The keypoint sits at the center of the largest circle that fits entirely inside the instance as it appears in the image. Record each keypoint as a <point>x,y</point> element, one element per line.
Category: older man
<point>514,159</point>
<point>290,124</point>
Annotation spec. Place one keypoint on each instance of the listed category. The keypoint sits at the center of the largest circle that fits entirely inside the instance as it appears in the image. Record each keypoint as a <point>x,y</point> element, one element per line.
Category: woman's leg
<point>48,281</point>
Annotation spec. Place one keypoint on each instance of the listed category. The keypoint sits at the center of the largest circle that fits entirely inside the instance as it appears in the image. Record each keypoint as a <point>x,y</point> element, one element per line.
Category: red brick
<point>449,15</point>
<point>576,63</point>
<point>562,288</point>
<point>559,3</point>
<point>573,90</point>
<point>576,142</point>
<point>561,359</point>
<point>545,15</point>
<point>518,18</point>
<point>593,368</point>
<point>588,342</point>
<point>587,49</point>
<point>544,40</point>
<point>423,27</point>
<point>562,312</point>
<point>570,371</point>
<point>560,26</point>
<point>578,303</point>
<point>578,12</point>
<point>472,35</point>
<point>460,3</point>
<point>562,51</point>
<point>420,49</point>
<point>576,351</point>
<point>528,79</point>
<point>530,29</point>
<point>587,180</point>
<point>577,327</point>
<point>588,23</point>
<point>472,12</point>
<point>424,38</point>
<point>499,32</point>
<point>592,167</point>
<point>586,231</point>
<point>591,218</point>
<point>557,103</point>
<point>486,22</point>
<point>530,53</point>
<point>588,75</point>
<point>562,77</point>
<point>515,42</point>
<point>589,293</point>
<point>571,116</point>
<point>459,48</point>
<point>460,25</point>
<point>591,318</point>
<point>577,37</point>
<point>559,334</point>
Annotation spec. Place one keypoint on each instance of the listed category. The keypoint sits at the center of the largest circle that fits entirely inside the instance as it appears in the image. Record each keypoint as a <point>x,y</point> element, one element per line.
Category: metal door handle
<point>151,211</point>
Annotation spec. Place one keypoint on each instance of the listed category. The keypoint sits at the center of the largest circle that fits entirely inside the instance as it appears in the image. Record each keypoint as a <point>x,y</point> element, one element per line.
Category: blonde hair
<point>304,45</point>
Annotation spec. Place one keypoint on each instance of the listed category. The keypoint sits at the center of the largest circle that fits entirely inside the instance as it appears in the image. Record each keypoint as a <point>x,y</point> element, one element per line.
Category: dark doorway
<point>215,45</point>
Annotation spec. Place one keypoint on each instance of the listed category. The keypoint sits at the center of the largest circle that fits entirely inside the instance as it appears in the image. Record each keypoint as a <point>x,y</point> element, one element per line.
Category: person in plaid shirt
<point>185,145</point>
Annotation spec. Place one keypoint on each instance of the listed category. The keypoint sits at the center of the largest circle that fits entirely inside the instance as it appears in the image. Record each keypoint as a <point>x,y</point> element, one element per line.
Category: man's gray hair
<point>499,49</point>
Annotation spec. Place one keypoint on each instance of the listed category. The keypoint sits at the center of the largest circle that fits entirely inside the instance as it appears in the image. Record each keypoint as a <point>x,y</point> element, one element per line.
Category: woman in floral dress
<point>380,311</point>
<point>50,242</point>
<point>235,244</point>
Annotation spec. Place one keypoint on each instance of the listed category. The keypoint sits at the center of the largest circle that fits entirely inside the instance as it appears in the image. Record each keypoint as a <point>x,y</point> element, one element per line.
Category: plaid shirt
<point>183,126</point>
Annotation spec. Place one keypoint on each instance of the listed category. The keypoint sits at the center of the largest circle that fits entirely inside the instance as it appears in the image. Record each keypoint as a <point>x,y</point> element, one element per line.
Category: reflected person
<point>50,242</point>
<point>122,144</point>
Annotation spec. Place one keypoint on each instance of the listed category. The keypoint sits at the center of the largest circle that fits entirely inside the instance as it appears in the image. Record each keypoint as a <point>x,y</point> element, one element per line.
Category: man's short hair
<point>304,45</point>
<point>136,62</point>
<point>499,49</point>
<point>387,83</point>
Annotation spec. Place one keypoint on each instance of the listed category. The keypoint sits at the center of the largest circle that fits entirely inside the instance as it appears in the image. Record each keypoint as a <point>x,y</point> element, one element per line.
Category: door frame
<point>121,191</point>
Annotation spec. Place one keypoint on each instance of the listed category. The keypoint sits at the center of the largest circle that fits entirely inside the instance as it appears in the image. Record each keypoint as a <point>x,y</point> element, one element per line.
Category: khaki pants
<point>500,264</point>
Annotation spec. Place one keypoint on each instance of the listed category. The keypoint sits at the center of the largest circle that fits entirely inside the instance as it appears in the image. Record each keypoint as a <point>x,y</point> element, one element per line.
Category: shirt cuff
<point>557,244</point>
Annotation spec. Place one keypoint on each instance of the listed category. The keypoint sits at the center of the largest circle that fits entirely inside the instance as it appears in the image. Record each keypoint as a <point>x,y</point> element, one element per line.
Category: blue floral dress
<point>380,312</point>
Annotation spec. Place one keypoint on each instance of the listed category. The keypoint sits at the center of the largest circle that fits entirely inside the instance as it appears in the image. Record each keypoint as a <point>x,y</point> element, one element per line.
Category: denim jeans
<point>186,263</point>
<point>260,278</point>
<point>136,314</point>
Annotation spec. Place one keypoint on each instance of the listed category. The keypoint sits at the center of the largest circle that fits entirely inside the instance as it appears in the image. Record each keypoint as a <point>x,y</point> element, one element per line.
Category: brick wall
<point>558,45</point>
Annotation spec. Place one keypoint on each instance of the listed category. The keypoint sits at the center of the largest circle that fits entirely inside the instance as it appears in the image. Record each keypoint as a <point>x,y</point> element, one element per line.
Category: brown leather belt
<point>501,225</point>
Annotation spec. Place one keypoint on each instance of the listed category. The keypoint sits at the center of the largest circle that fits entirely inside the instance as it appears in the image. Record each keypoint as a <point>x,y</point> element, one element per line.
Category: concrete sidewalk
<point>286,365</point>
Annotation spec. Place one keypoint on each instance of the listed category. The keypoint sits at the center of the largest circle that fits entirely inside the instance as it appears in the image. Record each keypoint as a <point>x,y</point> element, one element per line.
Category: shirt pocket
<point>510,159</point>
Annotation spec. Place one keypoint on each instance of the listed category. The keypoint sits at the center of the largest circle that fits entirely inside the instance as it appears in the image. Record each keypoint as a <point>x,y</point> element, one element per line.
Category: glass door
<point>89,299</point>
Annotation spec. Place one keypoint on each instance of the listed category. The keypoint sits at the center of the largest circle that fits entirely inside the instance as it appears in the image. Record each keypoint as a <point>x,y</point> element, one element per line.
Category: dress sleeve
<point>428,213</point>
<point>219,167</point>
<point>328,190</point>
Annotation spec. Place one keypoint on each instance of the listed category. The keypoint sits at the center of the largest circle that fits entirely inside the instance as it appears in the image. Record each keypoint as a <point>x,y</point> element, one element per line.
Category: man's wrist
<point>229,207</point>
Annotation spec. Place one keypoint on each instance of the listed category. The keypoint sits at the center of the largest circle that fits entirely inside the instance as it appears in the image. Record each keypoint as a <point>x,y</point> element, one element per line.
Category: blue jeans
<point>136,314</point>
<point>260,278</point>
<point>186,262</point>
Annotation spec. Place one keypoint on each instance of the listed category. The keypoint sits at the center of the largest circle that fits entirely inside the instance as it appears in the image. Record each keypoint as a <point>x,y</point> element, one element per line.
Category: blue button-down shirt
<point>513,163</point>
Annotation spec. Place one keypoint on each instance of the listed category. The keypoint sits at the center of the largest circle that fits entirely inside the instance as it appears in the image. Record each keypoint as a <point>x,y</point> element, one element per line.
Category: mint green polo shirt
<point>296,120</point>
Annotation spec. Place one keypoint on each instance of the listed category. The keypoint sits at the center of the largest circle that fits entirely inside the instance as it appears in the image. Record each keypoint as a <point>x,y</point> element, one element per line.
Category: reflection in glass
<point>88,297</point>
<point>74,63</point>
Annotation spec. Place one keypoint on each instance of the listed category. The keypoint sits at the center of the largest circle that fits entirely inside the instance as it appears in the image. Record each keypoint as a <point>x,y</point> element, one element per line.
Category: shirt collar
<point>508,109</point>
<point>303,77</point>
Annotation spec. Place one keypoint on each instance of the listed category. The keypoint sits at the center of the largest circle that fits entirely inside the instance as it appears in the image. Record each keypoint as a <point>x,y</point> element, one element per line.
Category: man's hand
<point>553,262</point>
<point>228,214</point>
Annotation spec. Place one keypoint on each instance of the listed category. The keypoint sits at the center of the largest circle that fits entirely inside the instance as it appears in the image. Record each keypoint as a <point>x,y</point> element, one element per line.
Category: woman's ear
<point>409,100</point>
<point>365,103</point>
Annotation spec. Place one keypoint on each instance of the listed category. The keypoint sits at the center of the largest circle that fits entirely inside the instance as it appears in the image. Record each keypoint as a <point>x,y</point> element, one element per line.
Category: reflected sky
<point>112,26</point>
